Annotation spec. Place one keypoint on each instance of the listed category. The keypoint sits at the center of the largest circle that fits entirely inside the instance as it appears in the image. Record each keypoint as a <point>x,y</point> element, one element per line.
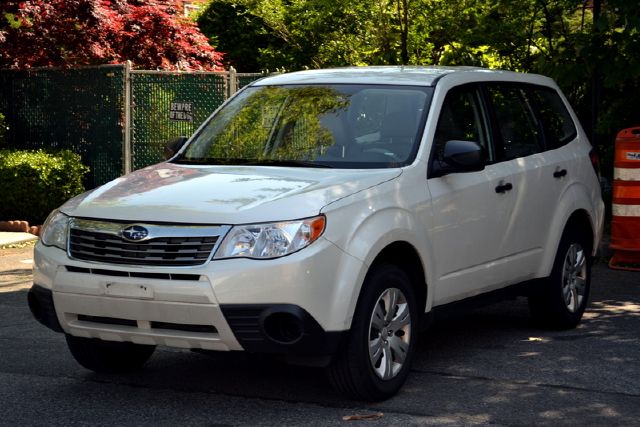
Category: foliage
<point>241,41</point>
<point>86,32</point>
<point>320,33</point>
<point>293,34</point>
<point>3,128</point>
<point>591,48</point>
<point>33,183</point>
<point>595,58</point>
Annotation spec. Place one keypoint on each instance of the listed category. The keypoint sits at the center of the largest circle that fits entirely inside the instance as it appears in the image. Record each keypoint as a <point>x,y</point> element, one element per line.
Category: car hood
<point>170,192</point>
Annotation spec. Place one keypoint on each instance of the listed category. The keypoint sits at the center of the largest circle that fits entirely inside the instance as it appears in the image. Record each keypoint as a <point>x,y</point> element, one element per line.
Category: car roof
<point>392,75</point>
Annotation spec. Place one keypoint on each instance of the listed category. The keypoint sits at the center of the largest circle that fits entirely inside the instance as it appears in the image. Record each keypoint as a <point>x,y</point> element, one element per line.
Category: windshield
<point>342,126</point>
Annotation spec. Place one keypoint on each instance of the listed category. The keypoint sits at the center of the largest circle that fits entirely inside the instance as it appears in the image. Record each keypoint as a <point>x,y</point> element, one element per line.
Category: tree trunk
<point>403,17</point>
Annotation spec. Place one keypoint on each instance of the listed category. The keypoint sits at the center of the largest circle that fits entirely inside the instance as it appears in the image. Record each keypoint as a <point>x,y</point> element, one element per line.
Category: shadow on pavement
<point>15,277</point>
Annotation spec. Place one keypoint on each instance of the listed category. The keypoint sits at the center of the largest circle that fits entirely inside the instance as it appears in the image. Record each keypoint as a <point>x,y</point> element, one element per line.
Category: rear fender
<point>576,198</point>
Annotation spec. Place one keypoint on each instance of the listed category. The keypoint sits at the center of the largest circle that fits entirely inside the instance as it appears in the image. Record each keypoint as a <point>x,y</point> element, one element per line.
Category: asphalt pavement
<point>489,366</point>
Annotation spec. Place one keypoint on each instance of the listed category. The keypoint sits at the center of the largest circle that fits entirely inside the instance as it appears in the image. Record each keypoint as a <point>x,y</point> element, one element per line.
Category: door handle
<point>560,173</point>
<point>504,187</point>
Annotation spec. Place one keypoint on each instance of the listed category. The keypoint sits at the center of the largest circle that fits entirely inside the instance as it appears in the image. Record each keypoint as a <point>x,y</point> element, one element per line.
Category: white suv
<point>323,215</point>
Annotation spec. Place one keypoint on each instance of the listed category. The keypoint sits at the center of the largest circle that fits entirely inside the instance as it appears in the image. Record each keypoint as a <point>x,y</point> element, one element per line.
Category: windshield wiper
<point>250,162</point>
<point>294,163</point>
<point>207,161</point>
<point>183,161</point>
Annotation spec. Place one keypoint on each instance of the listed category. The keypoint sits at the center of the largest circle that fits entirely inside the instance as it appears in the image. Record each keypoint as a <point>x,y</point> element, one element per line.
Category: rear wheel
<point>375,362</point>
<point>108,356</point>
<point>561,301</point>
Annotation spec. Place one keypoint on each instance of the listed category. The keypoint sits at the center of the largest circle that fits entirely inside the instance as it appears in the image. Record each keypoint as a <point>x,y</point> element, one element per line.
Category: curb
<point>14,238</point>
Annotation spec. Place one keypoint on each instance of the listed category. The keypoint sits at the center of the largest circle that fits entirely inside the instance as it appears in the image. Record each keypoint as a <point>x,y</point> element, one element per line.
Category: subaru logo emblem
<point>135,233</point>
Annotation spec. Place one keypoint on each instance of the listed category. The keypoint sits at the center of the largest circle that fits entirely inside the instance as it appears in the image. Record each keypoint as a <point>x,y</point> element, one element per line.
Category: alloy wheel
<point>389,333</point>
<point>574,277</point>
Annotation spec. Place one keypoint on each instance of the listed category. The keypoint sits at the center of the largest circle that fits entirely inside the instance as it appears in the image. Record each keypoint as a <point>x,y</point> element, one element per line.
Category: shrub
<point>33,183</point>
<point>3,128</point>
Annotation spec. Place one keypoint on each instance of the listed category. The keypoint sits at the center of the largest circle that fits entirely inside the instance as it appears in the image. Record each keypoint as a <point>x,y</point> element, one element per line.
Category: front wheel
<point>108,356</point>
<point>374,364</point>
<point>561,301</point>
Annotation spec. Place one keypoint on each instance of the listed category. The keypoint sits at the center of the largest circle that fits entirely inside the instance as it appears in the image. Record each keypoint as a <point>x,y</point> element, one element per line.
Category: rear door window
<point>517,125</point>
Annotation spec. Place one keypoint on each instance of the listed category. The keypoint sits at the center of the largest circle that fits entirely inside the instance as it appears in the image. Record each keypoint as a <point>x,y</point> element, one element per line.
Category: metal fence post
<point>126,146</point>
<point>233,82</point>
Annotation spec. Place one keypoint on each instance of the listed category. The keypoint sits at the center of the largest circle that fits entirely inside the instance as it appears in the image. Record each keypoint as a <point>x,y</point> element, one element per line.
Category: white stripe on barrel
<point>625,210</point>
<point>626,174</point>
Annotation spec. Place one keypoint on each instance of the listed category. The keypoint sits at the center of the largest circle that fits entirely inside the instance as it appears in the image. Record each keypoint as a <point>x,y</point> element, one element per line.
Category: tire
<point>108,356</point>
<point>563,296</point>
<point>391,332</point>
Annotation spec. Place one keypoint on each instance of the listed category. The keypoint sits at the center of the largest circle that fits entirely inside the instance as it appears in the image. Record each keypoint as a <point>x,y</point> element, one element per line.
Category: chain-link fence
<point>115,118</point>
<point>243,79</point>
<point>165,105</point>
<point>78,109</point>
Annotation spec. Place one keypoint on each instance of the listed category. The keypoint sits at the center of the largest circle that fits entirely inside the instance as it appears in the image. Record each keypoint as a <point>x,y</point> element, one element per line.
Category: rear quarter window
<point>557,123</point>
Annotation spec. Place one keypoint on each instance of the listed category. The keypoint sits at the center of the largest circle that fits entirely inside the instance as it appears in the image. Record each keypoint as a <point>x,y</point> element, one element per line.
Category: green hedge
<point>33,183</point>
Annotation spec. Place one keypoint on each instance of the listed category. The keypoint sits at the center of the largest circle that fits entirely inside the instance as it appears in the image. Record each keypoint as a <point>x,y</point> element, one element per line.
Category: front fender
<point>367,228</point>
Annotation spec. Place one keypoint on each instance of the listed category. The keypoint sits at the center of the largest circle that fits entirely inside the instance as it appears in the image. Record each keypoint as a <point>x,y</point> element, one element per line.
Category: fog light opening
<point>283,328</point>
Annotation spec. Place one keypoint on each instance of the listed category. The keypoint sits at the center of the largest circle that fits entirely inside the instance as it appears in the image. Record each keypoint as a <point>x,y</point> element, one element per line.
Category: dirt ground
<point>16,265</point>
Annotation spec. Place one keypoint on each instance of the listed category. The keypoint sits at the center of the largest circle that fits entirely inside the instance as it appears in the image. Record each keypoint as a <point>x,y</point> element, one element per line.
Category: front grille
<point>93,245</point>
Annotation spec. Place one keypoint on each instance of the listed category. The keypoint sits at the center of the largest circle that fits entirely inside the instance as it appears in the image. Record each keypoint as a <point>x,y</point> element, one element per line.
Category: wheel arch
<point>579,219</point>
<point>405,255</point>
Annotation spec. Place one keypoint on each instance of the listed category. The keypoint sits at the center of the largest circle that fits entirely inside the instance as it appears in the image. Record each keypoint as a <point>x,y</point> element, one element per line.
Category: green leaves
<point>33,183</point>
<point>12,20</point>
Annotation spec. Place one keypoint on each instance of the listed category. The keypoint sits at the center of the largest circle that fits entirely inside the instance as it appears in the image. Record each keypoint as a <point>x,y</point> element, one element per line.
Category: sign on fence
<point>181,112</point>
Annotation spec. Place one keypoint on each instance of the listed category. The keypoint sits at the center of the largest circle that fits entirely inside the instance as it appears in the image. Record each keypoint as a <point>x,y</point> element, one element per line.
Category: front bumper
<point>299,304</point>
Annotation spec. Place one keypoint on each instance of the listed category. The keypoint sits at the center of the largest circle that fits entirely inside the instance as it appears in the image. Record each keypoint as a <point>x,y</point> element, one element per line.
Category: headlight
<point>263,241</point>
<point>54,230</point>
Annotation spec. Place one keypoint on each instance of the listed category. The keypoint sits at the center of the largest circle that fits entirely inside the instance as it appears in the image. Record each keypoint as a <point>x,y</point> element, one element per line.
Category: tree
<point>241,41</point>
<point>590,47</point>
<point>151,34</point>
<point>296,34</point>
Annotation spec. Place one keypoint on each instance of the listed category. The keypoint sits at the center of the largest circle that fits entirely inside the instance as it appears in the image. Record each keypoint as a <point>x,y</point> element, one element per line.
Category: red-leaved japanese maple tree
<point>152,34</point>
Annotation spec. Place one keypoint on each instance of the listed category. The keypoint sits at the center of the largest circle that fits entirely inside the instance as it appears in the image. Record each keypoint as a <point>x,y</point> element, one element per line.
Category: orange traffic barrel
<point>625,225</point>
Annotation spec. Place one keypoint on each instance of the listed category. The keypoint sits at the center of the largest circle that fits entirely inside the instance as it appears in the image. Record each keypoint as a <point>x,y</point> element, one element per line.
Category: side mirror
<point>172,146</point>
<point>459,156</point>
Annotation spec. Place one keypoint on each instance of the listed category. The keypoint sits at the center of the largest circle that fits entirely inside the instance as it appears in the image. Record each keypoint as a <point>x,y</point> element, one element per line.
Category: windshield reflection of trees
<point>279,123</point>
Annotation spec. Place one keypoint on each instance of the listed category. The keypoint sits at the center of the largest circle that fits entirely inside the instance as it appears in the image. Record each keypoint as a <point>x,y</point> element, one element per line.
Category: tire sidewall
<point>555,280</point>
<point>379,279</point>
